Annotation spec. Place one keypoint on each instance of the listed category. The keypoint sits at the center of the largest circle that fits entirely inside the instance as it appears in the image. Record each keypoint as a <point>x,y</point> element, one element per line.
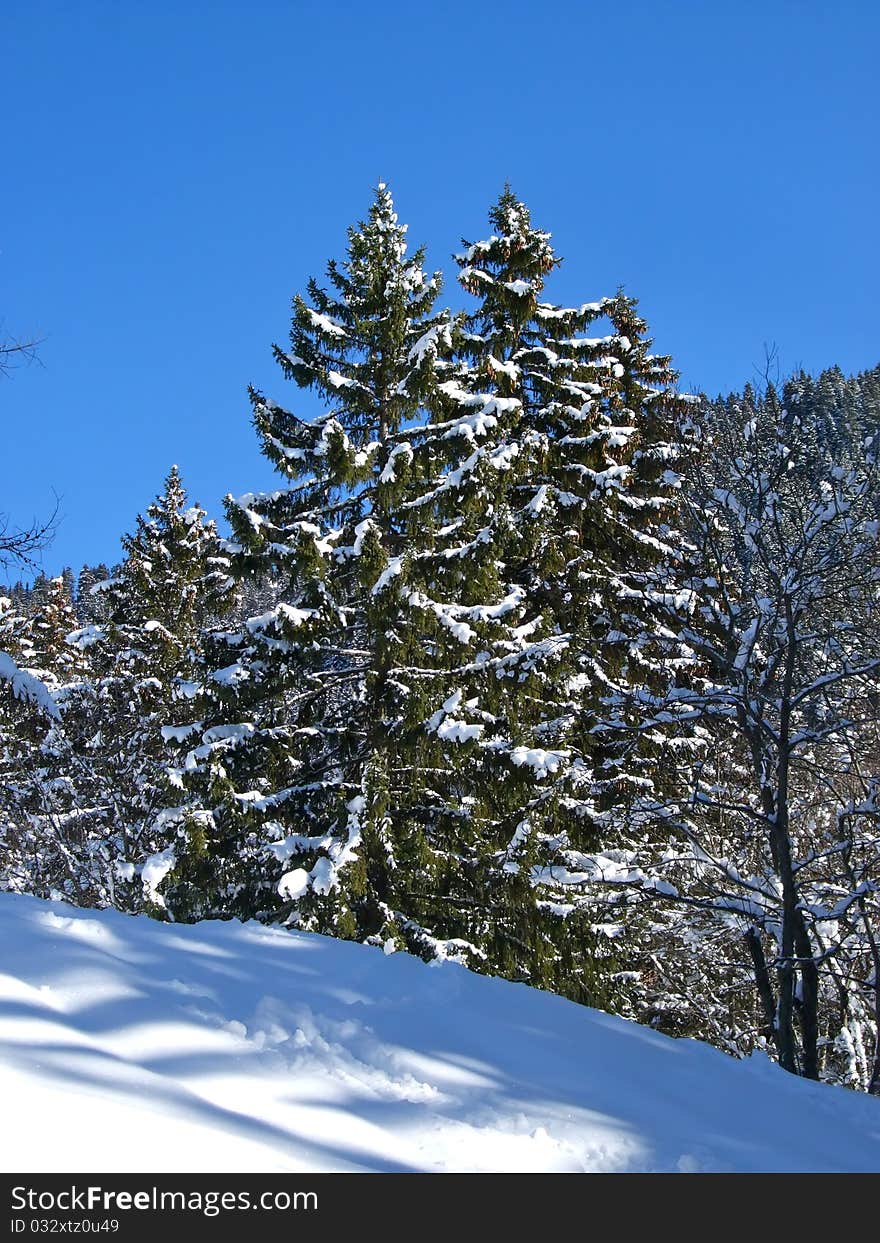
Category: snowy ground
<point>128,1045</point>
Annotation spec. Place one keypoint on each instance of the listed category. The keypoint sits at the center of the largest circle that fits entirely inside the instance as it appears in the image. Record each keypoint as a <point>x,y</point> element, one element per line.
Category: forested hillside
<point>530,661</point>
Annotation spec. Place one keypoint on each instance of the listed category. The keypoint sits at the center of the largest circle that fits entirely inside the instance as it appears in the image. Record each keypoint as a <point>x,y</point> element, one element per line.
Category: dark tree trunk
<point>763,982</point>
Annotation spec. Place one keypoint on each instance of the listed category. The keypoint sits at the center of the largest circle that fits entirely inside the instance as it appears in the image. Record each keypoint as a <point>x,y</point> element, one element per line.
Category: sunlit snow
<point>131,1045</point>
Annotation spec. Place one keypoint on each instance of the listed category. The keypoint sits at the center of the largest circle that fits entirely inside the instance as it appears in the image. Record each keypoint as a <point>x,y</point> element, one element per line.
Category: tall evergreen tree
<point>172,581</point>
<point>42,838</point>
<point>90,587</point>
<point>15,632</point>
<point>290,774</point>
<point>50,627</point>
<point>552,516</point>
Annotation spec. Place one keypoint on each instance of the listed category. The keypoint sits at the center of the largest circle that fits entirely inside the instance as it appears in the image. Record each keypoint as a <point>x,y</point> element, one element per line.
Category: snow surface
<point>131,1045</point>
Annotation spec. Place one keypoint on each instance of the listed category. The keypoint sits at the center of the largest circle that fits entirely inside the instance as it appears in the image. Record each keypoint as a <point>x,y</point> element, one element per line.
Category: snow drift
<point>134,1046</point>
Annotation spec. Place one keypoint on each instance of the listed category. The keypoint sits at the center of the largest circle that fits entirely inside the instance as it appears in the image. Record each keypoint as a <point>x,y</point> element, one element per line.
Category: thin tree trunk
<point>795,939</point>
<point>808,1010</point>
<point>762,981</point>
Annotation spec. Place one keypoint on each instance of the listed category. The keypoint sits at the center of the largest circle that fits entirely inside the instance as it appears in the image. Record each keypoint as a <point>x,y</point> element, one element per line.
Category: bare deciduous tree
<point>20,544</point>
<point>775,833</point>
<point>783,592</point>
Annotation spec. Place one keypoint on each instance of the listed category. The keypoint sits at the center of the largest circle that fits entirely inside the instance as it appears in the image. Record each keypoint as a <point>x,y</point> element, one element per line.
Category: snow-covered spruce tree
<point>779,839</point>
<point>15,631</point>
<point>299,745</point>
<point>473,665</point>
<point>29,861</point>
<point>43,830</point>
<point>173,579</point>
<point>22,727</point>
<point>90,586</point>
<point>51,655</point>
<point>544,492</point>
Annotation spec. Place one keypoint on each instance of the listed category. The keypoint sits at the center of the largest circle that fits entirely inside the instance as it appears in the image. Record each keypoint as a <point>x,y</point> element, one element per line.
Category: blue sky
<point>172,174</point>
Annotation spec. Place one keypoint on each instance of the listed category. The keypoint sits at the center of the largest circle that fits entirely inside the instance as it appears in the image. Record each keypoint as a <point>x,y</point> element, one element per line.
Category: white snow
<point>325,323</point>
<point>86,636</point>
<point>543,762</point>
<point>391,571</point>
<point>281,613</point>
<point>231,675</point>
<point>452,615</point>
<point>361,531</point>
<point>26,685</point>
<point>153,872</point>
<point>132,1045</point>
<point>294,884</point>
<point>459,731</point>
<point>402,453</point>
<point>437,337</point>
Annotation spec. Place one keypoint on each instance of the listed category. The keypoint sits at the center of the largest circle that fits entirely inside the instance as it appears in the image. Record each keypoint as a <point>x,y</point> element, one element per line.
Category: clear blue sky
<point>173,172</point>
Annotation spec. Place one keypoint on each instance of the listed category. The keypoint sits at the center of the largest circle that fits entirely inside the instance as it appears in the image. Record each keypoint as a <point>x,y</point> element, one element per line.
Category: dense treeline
<point>530,661</point>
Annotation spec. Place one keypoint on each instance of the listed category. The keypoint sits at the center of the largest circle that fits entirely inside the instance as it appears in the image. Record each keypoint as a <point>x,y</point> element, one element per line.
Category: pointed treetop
<point>355,340</point>
<point>516,259</point>
<point>171,502</point>
<point>511,216</point>
<point>383,200</point>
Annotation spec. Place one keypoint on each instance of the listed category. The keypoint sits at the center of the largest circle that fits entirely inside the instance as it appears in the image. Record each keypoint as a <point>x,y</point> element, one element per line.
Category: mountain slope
<point>130,1045</point>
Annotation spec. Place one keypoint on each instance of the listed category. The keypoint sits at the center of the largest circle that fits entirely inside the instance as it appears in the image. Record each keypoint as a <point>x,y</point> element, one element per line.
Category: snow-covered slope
<point>129,1045</point>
